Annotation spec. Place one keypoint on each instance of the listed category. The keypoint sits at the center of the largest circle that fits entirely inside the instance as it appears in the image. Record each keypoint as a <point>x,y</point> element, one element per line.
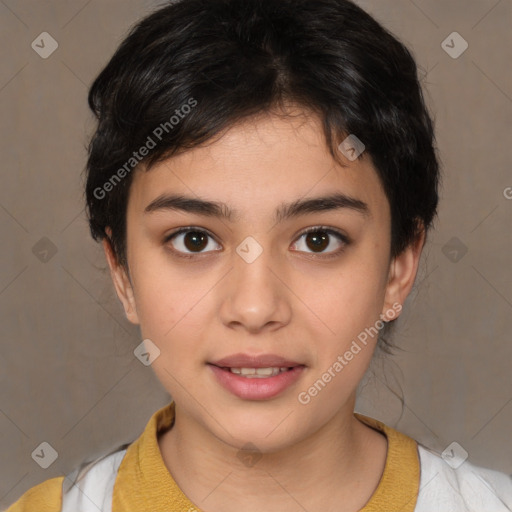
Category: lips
<point>253,377</point>
<point>252,361</point>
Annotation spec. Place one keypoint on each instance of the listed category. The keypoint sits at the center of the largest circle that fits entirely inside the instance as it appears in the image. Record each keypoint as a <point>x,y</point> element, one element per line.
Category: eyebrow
<point>283,212</point>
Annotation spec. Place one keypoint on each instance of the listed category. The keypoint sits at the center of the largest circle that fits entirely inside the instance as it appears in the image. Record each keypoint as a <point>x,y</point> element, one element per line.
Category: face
<point>244,281</point>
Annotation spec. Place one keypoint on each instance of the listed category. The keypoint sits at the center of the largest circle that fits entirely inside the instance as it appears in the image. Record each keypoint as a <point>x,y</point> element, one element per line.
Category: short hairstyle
<point>193,68</point>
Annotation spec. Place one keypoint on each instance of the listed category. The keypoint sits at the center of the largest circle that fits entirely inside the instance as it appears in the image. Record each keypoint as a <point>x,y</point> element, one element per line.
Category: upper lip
<point>252,361</point>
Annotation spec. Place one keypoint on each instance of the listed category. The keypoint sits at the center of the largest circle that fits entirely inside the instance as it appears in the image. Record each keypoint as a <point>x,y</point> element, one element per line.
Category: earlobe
<point>402,273</point>
<point>121,282</point>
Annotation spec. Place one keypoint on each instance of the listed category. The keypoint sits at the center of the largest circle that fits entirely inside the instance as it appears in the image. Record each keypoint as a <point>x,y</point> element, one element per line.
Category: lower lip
<point>256,388</point>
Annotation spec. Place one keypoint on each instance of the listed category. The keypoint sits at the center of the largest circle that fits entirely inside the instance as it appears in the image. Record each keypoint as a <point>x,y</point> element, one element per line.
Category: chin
<point>264,429</point>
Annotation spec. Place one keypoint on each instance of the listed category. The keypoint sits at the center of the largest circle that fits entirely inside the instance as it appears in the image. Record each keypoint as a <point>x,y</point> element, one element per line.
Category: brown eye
<point>316,240</point>
<point>191,241</point>
<point>195,240</point>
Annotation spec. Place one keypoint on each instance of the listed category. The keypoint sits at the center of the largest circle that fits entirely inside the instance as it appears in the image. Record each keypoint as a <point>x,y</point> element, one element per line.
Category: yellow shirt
<point>144,484</point>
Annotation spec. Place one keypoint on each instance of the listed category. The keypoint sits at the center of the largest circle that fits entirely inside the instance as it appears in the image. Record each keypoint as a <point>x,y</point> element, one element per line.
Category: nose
<point>255,296</point>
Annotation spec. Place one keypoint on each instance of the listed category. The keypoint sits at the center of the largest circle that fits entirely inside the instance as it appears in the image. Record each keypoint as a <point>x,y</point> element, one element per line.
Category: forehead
<point>259,163</point>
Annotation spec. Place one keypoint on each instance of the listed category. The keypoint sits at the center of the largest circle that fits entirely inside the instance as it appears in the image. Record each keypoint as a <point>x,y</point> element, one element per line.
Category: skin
<point>289,302</point>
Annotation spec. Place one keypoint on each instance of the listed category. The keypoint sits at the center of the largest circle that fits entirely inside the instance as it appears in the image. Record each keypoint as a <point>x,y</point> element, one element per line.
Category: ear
<point>121,281</point>
<point>402,273</point>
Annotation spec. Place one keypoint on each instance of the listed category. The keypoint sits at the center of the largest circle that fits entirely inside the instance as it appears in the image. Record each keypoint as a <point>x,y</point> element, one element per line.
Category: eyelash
<point>324,229</point>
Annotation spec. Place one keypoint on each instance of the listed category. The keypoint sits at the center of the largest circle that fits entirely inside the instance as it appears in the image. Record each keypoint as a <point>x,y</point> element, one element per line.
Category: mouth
<point>256,377</point>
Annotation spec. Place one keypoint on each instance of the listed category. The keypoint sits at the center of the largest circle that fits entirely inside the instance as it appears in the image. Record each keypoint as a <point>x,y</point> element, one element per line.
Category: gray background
<point>68,373</point>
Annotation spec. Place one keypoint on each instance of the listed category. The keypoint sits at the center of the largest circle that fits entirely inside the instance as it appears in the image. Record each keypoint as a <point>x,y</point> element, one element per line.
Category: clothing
<point>415,479</point>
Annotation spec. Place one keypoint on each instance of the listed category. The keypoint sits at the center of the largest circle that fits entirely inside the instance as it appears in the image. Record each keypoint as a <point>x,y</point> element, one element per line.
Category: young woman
<point>263,177</point>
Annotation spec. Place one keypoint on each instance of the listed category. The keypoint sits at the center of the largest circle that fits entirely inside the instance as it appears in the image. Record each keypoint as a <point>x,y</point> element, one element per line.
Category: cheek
<point>344,348</point>
<point>351,298</point>
<point>171,303</point>
<point>170,316</point>
<point>350,306</point>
